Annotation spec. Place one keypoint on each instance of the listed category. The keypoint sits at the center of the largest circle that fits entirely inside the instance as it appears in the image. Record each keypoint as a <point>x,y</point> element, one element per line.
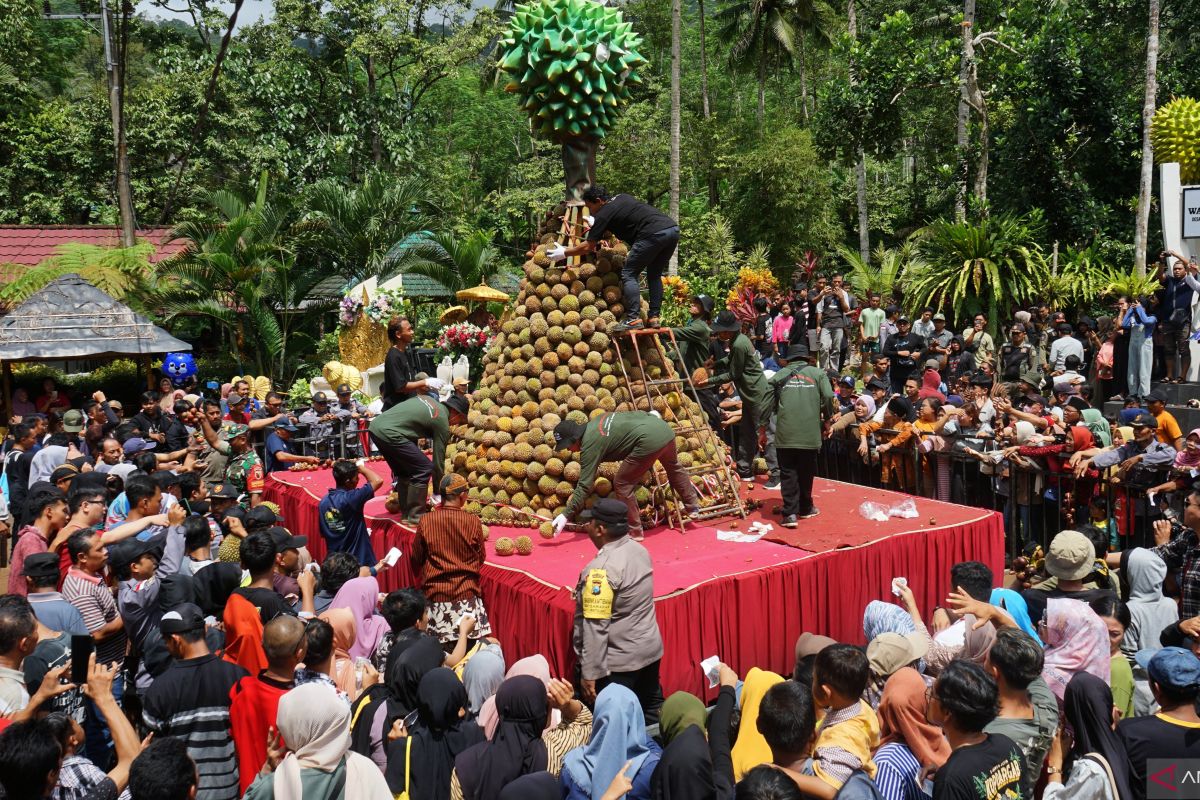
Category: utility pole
<point>115,99</point>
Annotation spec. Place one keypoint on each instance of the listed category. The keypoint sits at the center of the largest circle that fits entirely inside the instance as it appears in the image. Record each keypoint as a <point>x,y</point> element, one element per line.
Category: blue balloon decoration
<point>179,367</point>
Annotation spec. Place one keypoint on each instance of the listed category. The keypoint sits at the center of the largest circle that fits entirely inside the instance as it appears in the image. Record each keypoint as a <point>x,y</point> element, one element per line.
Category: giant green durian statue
<point>1175,136</point>
<point>571,62</point>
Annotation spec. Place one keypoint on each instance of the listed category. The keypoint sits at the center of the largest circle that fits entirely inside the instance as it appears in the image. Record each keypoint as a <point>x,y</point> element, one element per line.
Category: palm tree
<point>455,262</point>
<point>882,276</point>
<point>122,272</point>
<point>242,272</point>
<point>760,30</point>
<point>969,268</point>
<point>1141,232</point>
<point>350,230</point>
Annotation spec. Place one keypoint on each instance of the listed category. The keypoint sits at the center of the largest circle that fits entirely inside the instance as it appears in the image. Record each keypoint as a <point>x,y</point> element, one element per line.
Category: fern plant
<point>121,272</point>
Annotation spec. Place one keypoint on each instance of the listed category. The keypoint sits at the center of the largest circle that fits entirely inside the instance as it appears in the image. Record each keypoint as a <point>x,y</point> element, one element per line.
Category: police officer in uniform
<point>800,397</point>
<point>616,635</point>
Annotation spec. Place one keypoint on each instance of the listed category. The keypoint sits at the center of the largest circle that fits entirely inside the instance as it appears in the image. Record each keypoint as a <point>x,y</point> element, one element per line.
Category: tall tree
<point>673,200</point>
<point>1142,232</point>
<point>860,155</point>
<point>962,132</point>
<point>760,31</point>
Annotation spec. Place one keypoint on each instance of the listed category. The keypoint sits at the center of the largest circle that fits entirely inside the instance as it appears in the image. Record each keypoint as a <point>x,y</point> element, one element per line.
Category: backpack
<point>859,786</point>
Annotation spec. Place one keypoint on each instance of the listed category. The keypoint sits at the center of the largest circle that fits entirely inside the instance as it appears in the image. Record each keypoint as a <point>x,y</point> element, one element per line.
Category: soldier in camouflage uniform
<point>243,469</point>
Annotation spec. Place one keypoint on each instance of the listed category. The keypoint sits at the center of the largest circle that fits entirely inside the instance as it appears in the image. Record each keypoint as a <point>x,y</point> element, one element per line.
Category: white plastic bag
<point>905,509</point>
<point>873,511</point>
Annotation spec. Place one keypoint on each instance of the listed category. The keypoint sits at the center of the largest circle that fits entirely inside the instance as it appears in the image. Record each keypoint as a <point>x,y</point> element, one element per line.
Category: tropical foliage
<point>122,272</point>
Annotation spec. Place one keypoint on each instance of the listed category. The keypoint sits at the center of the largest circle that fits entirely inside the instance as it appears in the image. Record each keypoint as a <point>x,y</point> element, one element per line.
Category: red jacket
<point>253,704</point>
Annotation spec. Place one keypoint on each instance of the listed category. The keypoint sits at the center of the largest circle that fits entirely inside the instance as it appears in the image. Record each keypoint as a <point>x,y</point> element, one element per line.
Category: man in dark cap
<point>42,574</point>
<point>190,701</point>
<point>277,452</point>
<point>744,369</point>
<point>635,438</point>
<point>1168,427</point>
<point>243,469</point>
<point>903,349</point>
<point>1145,452</point>
<point>351,413</point>
<point>801,399</point>
<point>395,433</point>
<point>616,634</point>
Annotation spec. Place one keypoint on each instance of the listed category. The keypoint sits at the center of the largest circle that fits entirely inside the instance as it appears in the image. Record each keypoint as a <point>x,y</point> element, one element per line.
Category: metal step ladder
<point>718,479</point>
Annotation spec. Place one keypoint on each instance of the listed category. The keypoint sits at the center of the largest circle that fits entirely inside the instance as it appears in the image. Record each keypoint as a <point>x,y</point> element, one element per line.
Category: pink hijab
<point>538,667</point>
<point>1076,641</point>
<point>360,596</point>
<point>1185,458</point>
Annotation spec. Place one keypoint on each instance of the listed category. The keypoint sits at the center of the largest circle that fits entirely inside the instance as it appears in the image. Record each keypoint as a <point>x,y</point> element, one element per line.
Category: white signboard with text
<point>1191,212</point>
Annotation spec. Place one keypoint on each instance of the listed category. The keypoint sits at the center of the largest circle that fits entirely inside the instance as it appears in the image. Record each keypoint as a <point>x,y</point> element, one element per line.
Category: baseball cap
<point>939,316</point>
<point>41,565</point>
<point>1172,667</point>
<point>932,363</point>
<point>809,644</point>
<point>344,389</point>
<point>1144,420</point>
<point>981,379</point>
<point>1065,387</point>
<point>136,445</point>
<point>183,618</point>
<point>285,424</point>
<point>847,380</point>
<point>284,540</point>
<point>234,399</point>
<point>902,318</point>
<point>319,397</point>
<point>457,402</point>
<point>1158,394</point>
<point>129,550</point>
<point>609,511</point>
<point>1017,328</point>
<point>1070,557</point>
<point>73,421</point>
<point>454,484</point>
<point>877,383</point>
<point>567,433</point>
<point>116,405</point>
<point>888,652</point>
<point>262,516</point>
<point>223,491</point>
<point>64,471</point>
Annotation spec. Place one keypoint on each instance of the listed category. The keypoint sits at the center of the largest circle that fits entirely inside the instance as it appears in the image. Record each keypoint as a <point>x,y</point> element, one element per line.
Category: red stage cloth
<point>746,602</point>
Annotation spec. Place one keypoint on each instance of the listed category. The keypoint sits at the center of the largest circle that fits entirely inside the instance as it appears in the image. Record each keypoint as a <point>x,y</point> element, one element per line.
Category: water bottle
<point>462,369</point>
<point>445,370</point>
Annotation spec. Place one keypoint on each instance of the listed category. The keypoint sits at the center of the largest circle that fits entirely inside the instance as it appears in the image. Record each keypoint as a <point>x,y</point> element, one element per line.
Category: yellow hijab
<point>751,748</point>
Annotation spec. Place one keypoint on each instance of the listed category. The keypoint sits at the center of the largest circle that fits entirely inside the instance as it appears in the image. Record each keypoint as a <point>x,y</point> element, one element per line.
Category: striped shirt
<point>98,607</point>
<point>190,701</point>
<point>448,552</point>
<point>897,772</point>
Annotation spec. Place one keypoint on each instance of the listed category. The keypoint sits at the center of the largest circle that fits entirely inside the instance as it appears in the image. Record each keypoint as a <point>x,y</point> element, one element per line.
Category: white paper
<point>898,584</point>
<point>740,536</point>
<point>392,557</point>
<point>711,667</point>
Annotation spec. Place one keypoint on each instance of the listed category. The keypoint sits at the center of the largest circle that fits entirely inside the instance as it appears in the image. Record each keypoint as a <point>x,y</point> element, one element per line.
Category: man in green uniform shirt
<point>242,468</point>
<point>616,636</point>
<point>395,433</point>
<point>745,370</point>
<point>637,439</point>
<point>694,338</point>
<point>800,397</point>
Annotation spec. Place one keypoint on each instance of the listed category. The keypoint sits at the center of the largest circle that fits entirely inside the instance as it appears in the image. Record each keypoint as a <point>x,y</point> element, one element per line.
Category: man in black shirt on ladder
<point>652,237</point>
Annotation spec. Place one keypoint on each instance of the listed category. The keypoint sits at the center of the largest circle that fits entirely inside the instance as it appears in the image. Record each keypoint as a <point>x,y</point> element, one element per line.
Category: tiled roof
<point>421,286</point>
<point>27,245</point>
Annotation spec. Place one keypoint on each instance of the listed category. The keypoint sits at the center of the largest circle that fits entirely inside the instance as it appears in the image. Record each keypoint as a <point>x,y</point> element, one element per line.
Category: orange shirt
<point>1168,428</point>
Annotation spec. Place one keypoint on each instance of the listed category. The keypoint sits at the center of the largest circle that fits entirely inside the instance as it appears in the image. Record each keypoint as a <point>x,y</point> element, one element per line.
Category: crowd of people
<point>166,635</point>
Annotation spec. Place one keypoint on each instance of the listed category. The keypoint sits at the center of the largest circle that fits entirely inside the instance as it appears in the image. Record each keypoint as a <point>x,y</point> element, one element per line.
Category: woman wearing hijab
<point>898,469</point>
<point>1115,615</point>
<point>360,595</point>
<point>1094,421</point>
<point>516,749</point>
<point>483,675</point>
<point>1076,641</point>
<point>1143,573</point>
<point>422,762</point>
<point>315,724</point>
<point>535,665</point>
<point>342,622</point>
<point>695,764</point>
<point>908,742</point>
<point>1096,767</point>
<point>1016,607</point>
<point>880,617</point>
<point>751,749</point>
<point>618,737</point>
<point>538,786</point>
<point>374,717</point>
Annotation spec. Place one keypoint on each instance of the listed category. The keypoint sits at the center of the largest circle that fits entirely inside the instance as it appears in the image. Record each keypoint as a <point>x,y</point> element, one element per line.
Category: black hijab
<point>213,584</point>
<point>538,786</point>
<point>685,771</point>
<point>405,676</point>
<point>516,748</point>
<point>439,735</point>
<point>1088,704</point>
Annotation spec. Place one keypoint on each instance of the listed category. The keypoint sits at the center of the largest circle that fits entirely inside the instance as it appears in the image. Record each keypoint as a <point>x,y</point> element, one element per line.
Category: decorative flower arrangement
<point>463,337</point>
<point>753,281</point>
<point>348,310</point>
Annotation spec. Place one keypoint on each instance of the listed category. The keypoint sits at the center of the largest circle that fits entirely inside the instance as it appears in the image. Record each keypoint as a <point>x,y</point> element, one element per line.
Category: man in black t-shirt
<point>982,766</point>
<point>400,381</point>
<point>652,237</point>
<point>1174,732</point>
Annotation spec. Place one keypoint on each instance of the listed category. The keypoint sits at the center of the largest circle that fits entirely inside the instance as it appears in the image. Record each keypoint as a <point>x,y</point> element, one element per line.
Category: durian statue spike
<point>571,63</point>
<point>1175,136</point>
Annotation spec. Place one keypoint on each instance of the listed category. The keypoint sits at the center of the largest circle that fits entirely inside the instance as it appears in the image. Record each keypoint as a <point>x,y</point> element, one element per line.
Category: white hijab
<point>315,725</point>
